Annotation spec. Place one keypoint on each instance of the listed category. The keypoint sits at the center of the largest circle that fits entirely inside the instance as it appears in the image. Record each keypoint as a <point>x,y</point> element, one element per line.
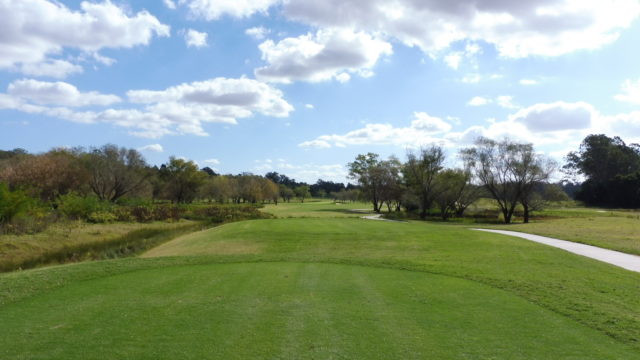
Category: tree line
<point>114,174</point>
<point>511,173</point>
<point>605,172</point>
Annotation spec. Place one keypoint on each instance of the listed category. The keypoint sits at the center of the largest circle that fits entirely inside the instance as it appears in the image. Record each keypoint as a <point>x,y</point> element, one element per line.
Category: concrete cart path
<point>627,261</point>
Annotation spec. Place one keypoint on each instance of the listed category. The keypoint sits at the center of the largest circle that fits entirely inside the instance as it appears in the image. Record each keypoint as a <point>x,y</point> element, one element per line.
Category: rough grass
<point>290,311</point>
<point>76,241</point>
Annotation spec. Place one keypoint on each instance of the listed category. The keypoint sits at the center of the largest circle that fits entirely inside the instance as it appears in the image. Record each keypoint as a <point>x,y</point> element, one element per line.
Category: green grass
<point>318,208</point>
<point>290,310</point>
<point>596,294</point>
<point>621,233</point>
<point>333,286</point>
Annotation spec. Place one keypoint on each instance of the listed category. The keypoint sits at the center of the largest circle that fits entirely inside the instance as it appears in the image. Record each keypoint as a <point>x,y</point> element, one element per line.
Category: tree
<point>115,172</point>
<point>508,170</point>
<point>270,190</point>
<point>286,193</point>
<point>420,173</point>
<point>218,188</point>
<point>302,192</point>
<point>48,175</point>
<point>451,185</point>
<point>531,170</point>
<point>182,180</point>
<point>366,170</point>
<point>611,169</point>
<point>209,171</point>
<point>391,188</point>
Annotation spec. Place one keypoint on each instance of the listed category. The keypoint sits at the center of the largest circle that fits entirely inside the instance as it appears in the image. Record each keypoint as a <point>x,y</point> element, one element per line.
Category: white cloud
<point>515,28</point>
<point>214,9</point>
<point>152,147</point>
<point>257,33</point>
<point>453,60</point>
<point>553,125</point>
<point>327,54</point>
<point>195,38</point>
<point>309,106</point>
<point>423,129</point>
<point>556,116</point>
<point>529,82</point>
<point>169,4</point>
<point>57,93</point>
<point>212,161</point>
<point>504,101</point>
<point>34,30</point>
<point>478,101</point>
<point>54,68</point>
<point>181,109</point>
<point>474,78</point>
<point>630,92</point>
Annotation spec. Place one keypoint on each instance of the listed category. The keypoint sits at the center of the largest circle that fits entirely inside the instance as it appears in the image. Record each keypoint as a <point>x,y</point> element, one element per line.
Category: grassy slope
<point>30,248</point>
<point>290,310</point>
<point>596,294</point>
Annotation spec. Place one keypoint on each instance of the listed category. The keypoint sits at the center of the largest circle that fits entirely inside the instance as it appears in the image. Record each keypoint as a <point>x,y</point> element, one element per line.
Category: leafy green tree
<point>182,180</point>
<point>286,193</point>
<point>420,172</point>
<point>611,170</point>
<point>367,172</point>
<point>302,192</point>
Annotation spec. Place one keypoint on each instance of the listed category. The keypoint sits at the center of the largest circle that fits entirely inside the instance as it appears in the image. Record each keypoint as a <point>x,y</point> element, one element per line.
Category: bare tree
<point>115,172</point>
<point>508,170</point>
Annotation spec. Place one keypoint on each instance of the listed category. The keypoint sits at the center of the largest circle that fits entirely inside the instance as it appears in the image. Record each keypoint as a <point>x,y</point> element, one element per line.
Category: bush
<point>226,213</point>
<point>12,203</point>
<point>142,213</point>
<point>167,212</point>
<point>100,217</point>
<point>76,207</point>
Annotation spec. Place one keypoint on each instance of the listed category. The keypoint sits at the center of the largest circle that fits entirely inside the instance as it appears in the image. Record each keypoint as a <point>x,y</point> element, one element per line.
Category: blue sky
<point>302,87</point>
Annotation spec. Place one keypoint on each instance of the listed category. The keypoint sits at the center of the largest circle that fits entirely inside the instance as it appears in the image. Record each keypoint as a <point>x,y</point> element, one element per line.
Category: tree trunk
<point>526,213</point>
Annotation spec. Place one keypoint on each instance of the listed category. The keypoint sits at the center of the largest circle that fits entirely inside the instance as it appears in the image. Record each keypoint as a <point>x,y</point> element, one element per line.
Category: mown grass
<point>596,294</point>
<point>318,208</point>
<point>620,233</point>
<point>280,289</point>
<point>291,311</point>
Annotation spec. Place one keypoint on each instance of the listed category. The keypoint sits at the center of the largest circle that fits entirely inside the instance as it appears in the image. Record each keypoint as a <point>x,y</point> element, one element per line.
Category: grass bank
<point>77,241</point>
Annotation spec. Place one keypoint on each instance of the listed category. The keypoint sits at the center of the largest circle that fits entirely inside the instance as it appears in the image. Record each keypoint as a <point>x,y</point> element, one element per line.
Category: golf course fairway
<point>326,288</point>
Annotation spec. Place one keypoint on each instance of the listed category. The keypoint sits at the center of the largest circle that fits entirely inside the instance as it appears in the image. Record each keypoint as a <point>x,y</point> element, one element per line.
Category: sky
<point>302,87</point>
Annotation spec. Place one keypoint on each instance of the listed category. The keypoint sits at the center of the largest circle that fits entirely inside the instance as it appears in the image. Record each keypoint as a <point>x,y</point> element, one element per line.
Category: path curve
<point>623,260</point>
